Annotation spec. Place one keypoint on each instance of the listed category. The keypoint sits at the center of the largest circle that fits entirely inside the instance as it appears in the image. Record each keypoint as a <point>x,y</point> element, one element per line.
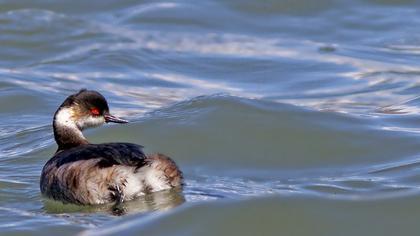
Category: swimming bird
<point>88,174</point>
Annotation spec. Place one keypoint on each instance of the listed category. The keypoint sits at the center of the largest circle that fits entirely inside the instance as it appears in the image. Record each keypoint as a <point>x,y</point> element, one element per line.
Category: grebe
<point>85,174</point>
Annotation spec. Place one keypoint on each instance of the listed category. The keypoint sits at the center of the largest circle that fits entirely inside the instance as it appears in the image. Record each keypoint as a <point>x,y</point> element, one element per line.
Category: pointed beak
<point>114,119</point>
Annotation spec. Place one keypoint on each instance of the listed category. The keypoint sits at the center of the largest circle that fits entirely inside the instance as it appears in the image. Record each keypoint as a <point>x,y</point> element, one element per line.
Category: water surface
<point>287,117</point>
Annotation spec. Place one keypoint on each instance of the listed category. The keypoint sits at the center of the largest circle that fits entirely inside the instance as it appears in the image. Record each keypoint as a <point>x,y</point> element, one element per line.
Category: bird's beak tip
<point>113,119</point>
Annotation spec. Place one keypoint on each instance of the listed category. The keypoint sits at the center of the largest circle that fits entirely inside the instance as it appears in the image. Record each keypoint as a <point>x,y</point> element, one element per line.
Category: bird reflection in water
<point>162,200</point>
<point>156,201</point>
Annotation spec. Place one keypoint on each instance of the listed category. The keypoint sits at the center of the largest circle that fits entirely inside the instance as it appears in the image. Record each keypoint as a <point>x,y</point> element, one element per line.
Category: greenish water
<point>287,117</point>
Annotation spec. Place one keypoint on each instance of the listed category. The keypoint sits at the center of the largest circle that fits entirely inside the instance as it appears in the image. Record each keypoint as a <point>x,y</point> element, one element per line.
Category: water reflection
<point>158,201</point>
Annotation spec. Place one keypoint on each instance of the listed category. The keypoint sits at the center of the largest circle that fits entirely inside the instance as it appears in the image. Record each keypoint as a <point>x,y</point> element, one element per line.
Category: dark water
<point>287,117</point>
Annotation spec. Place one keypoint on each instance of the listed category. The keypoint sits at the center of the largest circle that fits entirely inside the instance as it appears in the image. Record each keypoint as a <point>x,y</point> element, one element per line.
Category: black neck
<point>66,138</point>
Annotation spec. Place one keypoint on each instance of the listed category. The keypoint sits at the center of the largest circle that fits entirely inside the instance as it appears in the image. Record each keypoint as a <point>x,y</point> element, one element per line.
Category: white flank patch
<point>135,181</point>
<point>134,184</point>
<point>155,178</point>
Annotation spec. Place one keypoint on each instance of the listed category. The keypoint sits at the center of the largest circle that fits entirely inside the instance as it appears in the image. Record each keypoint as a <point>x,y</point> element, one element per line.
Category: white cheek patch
<point>64,118</point>
<point>90,121</point>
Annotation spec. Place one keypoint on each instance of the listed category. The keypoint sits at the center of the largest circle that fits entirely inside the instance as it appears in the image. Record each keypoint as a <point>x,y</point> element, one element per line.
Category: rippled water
<point>287,117</point>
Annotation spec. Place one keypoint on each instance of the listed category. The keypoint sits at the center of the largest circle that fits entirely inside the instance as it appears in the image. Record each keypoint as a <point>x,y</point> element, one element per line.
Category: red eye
<point>94,111</point>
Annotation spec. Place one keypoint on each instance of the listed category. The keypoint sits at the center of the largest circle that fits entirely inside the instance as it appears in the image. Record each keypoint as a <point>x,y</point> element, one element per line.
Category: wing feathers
<point>109,154</point>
